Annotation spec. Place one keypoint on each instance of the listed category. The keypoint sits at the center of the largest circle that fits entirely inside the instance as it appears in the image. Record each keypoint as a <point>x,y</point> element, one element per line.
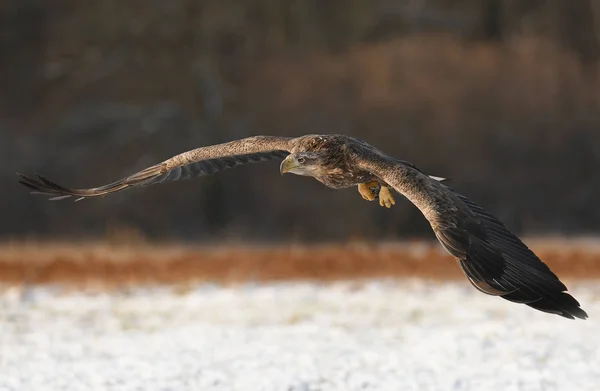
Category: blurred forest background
<point>502,96</point>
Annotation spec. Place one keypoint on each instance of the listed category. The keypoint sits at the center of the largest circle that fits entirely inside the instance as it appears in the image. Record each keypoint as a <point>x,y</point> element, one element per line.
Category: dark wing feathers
<point>159,173</point>
<point>211,166</point>
<point>494,259</point>
<point>197,162</point>
<point>497,262</point>
<point>45,186</point>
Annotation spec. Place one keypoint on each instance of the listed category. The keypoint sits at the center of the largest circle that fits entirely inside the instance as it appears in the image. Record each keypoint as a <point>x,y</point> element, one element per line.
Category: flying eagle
<point>494,259</point>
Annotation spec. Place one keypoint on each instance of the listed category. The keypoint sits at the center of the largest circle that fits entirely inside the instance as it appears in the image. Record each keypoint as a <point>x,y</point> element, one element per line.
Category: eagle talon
<point>368,190</point>
<point>385,197</point>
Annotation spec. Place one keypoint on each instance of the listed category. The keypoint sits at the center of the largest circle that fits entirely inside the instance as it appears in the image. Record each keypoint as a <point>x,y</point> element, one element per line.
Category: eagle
<point>493,258</point>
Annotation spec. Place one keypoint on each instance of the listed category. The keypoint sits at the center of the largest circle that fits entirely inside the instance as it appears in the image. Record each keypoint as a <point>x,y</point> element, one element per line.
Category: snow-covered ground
<point>378,335</point>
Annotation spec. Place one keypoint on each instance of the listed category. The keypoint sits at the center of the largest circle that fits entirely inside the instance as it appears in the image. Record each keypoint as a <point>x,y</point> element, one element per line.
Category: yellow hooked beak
<point>287,165</point>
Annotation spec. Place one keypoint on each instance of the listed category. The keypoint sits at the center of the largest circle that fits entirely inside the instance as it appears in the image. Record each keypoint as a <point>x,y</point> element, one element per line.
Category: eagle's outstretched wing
<point>194,163</point>
<point>494,259</point>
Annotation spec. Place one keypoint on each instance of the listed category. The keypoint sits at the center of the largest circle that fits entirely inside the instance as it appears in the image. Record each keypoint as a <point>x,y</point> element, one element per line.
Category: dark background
<point>501,96</point>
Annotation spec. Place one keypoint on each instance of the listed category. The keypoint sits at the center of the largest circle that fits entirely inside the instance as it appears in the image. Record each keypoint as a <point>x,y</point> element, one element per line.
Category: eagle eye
<point>301,159</point>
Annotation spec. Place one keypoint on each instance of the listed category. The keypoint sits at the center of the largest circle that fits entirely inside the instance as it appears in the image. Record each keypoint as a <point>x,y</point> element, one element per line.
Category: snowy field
<point>378,335</point>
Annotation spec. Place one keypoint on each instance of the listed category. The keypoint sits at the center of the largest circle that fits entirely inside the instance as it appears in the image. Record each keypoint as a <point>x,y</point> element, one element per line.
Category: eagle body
<point>338,155</point>
<point>493,258</point>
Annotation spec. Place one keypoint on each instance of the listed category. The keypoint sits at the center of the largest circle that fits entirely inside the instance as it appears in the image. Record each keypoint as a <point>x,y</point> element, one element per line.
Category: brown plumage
<point>495,260</point>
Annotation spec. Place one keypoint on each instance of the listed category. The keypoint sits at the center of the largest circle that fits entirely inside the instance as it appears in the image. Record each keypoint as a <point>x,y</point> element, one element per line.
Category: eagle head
<point>301,163</point>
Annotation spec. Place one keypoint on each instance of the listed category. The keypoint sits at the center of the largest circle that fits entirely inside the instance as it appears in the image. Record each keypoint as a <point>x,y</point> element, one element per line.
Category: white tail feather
<point>438,178</point>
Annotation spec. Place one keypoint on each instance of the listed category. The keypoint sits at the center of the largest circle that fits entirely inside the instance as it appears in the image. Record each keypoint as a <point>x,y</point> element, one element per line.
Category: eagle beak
<point>287,165</point>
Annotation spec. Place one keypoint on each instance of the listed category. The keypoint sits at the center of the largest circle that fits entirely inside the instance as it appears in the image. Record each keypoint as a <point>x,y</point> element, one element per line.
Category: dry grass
<point>107,265</point>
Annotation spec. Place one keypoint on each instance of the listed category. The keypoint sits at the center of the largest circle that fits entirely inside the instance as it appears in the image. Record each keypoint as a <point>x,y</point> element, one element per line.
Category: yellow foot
<point>366,190</point>
<point>385,197</point>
